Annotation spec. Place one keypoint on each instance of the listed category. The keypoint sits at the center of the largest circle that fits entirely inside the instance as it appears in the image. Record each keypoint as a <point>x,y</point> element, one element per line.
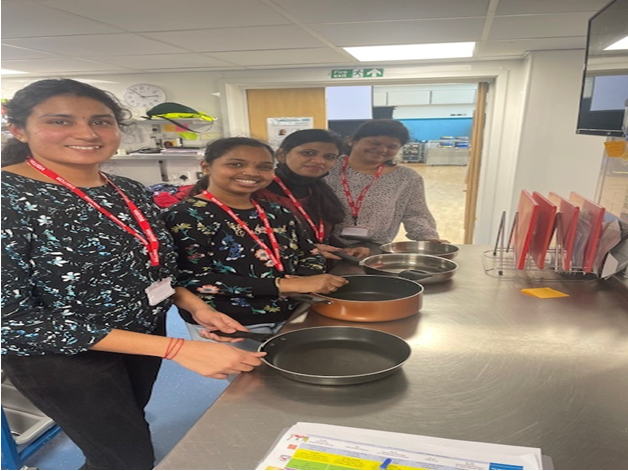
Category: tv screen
<point>604,96</point>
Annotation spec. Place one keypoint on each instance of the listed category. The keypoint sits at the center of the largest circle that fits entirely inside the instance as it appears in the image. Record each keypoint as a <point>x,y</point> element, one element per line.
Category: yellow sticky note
<point>544,293</point>
<point>615,148</point>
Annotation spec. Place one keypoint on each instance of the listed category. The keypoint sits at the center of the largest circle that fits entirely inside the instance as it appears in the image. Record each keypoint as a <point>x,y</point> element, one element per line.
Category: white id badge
<point>159,291</point>
<point>354,231</point>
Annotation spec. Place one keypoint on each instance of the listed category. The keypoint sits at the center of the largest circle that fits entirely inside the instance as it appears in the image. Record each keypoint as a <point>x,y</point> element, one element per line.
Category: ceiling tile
<point>169,15</point>
<point>60,66</point>
<point>29,19</point>
<point>539,26</point>
<point>529,7</point>
<point>102,44</point>
<point>283,57</point>
<point>322,11</point>
<point>15,53</point>
<point>402,32</point>
<point>239,39</point>
<point>159,61</point>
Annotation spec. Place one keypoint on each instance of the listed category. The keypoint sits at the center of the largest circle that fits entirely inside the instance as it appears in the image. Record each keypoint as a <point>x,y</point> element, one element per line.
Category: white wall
<point>551,156</point>
<point>193,89</point>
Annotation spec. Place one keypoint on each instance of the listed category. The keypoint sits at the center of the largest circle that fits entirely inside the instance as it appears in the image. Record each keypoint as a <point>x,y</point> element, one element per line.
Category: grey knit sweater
<point>394,198</point>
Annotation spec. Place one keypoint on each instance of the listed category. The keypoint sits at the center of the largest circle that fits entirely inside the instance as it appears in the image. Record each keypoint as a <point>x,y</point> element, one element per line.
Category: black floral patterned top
<point>226,268</point>
<point>69,274</point>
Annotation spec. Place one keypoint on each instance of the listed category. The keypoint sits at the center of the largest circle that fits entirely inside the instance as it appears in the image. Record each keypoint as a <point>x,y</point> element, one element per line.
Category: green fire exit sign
<point>357,73</point>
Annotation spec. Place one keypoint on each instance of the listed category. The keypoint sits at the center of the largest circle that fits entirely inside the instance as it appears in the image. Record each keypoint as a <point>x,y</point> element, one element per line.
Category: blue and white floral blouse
<point>69,274</point>
<point>226,268</point>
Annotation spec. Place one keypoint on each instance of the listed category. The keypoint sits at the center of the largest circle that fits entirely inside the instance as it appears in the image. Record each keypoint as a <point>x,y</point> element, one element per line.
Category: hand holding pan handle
<point>346,256</point>
<point>241,334</point>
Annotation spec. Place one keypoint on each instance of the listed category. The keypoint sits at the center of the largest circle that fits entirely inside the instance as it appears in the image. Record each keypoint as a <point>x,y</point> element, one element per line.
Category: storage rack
<point>500,261</point>
<point>414,152</point>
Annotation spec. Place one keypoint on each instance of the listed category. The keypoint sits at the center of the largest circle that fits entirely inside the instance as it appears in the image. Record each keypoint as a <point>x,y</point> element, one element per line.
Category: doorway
<point>451,188</point>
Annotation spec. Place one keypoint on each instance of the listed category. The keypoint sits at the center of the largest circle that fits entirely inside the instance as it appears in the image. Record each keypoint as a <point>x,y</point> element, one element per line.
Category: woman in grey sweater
<point>377,194</point>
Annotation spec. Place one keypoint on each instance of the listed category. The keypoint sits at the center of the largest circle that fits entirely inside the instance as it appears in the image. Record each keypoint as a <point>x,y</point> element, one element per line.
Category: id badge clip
<point>355,232</point>
<point>159,291</point>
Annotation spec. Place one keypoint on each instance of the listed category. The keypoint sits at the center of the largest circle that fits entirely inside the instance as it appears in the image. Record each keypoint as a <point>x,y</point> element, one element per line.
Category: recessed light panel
<point>11,72</point>
<point>621,44</point>
<point>406,52</point>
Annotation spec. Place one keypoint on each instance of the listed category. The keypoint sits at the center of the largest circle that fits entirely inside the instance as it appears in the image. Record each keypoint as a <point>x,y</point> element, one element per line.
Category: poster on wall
<point>279,128</point>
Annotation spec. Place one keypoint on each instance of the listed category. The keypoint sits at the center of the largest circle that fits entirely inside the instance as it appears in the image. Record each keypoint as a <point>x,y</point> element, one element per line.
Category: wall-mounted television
<point>604,96</point>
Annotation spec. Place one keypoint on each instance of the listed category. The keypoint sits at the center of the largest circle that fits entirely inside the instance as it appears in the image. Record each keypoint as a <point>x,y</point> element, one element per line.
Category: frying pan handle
<point>241,334</point>
<point>310,299</point>
<point>347,257</point>
<point>415,274</point>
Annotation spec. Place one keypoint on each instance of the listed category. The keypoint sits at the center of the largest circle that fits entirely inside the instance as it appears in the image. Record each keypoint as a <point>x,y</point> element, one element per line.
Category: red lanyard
<point>355,206</point>
<point>149,241</point>
<point>273,254</point>
<point>319,231</point>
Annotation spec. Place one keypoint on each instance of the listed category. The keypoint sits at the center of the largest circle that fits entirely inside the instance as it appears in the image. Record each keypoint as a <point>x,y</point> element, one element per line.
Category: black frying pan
<point>331,356</point>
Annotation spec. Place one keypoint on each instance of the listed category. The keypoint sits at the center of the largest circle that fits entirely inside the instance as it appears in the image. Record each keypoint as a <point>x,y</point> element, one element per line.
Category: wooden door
<point>285,103</point>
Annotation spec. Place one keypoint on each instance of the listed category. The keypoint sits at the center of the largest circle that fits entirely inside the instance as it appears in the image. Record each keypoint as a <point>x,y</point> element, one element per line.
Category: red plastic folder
<point>543,229</point>
<point>527,212</point>
<point>590,223</point>
<point>566,222</point>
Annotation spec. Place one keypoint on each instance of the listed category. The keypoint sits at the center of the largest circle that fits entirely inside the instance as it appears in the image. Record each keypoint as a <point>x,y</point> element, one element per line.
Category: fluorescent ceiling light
<point>621,44</point>
<point>406,52</point>
<point>11,72</point>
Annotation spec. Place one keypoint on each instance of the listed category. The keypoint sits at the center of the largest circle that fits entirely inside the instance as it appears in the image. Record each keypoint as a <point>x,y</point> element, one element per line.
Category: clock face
<point>142,95</point>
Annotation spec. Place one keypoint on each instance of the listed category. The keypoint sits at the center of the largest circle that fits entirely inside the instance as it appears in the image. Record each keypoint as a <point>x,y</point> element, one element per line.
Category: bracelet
<point>174,345</point>
<point>277,281</point>
<point>168,348</point>
<point>176,349</point>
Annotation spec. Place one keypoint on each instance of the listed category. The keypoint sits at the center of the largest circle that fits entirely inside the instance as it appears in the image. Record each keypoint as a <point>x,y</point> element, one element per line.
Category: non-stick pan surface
<point>375,288</point>
<point>335,356</point>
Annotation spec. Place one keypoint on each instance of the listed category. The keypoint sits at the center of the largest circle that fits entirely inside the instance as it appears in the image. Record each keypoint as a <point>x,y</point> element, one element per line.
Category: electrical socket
<point>181,178</point>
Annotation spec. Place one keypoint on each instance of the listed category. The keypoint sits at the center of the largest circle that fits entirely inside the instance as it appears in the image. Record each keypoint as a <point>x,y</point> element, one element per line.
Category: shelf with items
<point>161,156</point>
<point>414,152</point>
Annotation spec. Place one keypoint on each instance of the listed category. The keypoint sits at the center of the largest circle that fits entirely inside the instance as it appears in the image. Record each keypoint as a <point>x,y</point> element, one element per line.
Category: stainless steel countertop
<point>488,364</point>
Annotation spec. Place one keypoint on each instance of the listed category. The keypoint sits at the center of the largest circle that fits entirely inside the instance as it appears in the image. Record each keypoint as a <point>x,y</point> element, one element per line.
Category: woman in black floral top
<point>87,275</point>
<point>243,257</point>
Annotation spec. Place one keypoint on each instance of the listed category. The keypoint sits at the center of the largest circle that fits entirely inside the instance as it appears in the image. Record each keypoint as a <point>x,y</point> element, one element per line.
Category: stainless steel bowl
<point>424,269</point>
<point>422,247</point>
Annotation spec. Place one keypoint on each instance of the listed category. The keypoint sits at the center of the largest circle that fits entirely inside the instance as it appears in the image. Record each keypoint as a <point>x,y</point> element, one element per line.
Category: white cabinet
<point>420,97</point>
<point>380,99</point>
<point>452,97</point>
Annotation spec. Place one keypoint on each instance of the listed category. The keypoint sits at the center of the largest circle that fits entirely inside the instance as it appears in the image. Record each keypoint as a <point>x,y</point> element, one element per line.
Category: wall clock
<point>143,95</point>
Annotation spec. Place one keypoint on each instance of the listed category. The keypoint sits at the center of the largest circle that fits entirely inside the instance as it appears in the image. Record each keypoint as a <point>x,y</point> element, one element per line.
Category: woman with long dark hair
<point>304,158</point>
<point>240,256</point>
<point>88,276</point>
